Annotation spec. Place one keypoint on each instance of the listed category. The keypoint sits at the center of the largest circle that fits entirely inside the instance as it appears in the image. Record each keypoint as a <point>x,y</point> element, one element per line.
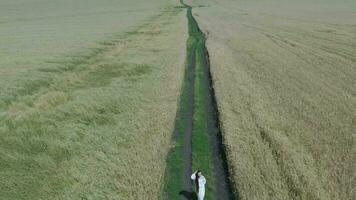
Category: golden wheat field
<point>285,79</point>
<point>89,91</point>
<point>125,99</point>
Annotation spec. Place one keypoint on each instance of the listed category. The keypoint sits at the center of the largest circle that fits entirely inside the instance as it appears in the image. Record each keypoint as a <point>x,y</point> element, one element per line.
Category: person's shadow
<point>188,195</point>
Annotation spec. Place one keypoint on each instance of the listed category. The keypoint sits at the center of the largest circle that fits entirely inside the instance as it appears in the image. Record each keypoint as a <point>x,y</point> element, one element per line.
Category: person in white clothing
<point>200,182</point>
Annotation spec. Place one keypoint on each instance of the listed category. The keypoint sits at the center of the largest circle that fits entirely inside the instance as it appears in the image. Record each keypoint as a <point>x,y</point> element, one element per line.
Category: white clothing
<point>201,194</point>
<point>201,182</point>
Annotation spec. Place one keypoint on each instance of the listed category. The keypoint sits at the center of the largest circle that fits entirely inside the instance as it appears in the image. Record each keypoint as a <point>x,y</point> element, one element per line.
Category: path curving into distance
<point>197,141</point>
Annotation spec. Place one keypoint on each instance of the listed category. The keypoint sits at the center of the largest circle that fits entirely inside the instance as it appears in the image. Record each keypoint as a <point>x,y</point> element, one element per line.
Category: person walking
<point>200,182</point>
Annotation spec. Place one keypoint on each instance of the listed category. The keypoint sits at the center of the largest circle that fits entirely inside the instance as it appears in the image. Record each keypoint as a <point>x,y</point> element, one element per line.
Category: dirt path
<point>198,115</point>
<point>222,185</point>
<point>187,143</point>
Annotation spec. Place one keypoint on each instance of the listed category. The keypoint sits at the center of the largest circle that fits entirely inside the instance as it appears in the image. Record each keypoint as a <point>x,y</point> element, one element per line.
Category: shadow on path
<point>188,195</point>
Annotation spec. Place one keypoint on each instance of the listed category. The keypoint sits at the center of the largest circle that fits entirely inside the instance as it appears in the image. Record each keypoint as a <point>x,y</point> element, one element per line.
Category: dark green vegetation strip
<point>179,160</point>
<point>198,104</point>
<point>201,151</point>
<point>175,162</point>
<point>202,155</point>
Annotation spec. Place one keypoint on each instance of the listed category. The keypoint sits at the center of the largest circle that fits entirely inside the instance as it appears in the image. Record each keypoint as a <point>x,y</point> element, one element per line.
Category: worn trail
<point>198,142</point>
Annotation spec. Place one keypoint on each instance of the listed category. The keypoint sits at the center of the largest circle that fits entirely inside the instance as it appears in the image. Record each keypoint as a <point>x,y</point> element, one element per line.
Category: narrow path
<point>198,141</point>
<point>222,187</point>
<point>187,143</point>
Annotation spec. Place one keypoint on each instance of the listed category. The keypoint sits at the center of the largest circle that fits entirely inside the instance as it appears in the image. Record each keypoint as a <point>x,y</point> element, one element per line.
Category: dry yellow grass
<point>38,35</point>
<point>101,128</point>
<point>285,80</point>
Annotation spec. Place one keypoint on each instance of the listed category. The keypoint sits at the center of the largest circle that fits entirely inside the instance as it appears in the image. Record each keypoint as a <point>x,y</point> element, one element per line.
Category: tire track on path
<point>219,174</point>
<point>197,135</point>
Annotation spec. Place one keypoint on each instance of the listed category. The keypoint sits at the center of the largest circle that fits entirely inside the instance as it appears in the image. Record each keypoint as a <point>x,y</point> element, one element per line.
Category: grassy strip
<point>174,172</point>
<point>200,139</point>
<point>173,175</point>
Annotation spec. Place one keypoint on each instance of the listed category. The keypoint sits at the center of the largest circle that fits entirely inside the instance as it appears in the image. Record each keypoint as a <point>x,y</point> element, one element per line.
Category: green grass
<point>172,184</point>
<point>201,155</point>
<point>174,171</point>
<point>201,143</point>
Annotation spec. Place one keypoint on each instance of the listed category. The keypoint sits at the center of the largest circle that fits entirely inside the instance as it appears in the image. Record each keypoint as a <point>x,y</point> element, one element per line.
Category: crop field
<point>284,74</point>
<point>89,92</point>
<point>125,99</point>
<point>41,34</point>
